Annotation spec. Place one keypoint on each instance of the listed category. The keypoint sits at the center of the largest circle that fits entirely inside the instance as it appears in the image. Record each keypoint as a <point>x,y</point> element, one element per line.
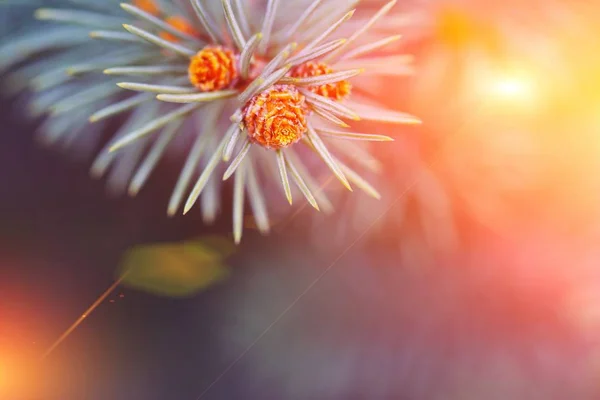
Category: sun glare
<point>511,87</point>
<point>509,90</point>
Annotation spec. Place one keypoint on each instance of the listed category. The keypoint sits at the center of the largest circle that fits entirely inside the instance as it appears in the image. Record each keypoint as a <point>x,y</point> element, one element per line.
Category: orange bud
<point>334,91</point>
<point>213,68</point>
<point>276,118</point>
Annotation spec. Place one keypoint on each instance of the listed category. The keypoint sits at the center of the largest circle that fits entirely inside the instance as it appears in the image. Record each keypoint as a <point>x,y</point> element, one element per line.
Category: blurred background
<point>476,276</point>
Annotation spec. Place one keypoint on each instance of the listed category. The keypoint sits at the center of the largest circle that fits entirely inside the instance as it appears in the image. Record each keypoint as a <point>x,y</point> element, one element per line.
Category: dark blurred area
<point>474,277</point>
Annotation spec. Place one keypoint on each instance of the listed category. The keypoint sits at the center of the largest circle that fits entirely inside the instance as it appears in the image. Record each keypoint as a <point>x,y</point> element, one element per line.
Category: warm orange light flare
<point>335,91</point>
<point>6,377</point>
<point>276,118</point>
<point>213,68</point>
<point>181,24</point>
<point>14,376</point>
<point>20,376</point>
<point>149,6</point>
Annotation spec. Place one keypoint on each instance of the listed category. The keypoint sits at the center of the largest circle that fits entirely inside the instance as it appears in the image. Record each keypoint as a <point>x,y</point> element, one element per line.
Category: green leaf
<point>176,269</point>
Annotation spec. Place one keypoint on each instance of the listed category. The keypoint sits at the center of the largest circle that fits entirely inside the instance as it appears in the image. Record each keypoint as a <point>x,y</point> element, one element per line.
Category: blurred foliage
<point>178,269</point>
